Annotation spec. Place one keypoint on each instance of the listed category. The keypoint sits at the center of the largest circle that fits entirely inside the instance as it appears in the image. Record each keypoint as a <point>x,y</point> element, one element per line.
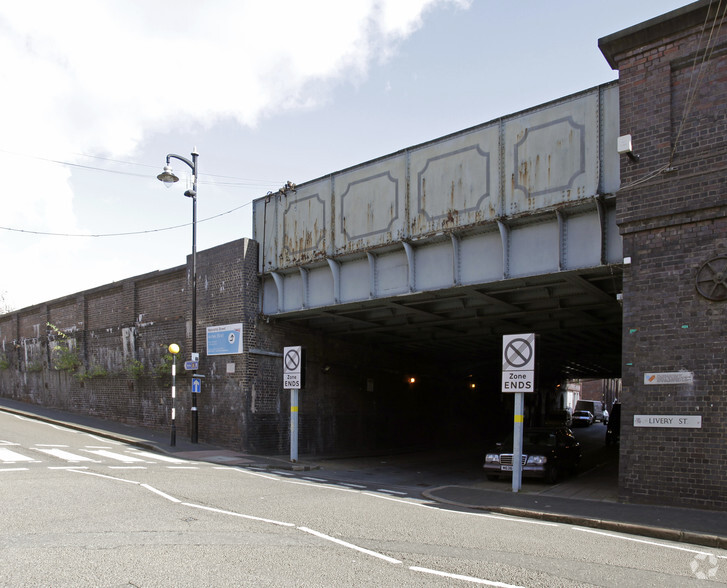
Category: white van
<point>595,407</point>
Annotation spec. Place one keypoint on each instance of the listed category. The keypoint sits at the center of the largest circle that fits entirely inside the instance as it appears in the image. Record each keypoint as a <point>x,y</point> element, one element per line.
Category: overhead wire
<point>129,233</point>
<point>251,182</point>
<point>123,234</point>
<point>694,84</point>
<point>706,56</point>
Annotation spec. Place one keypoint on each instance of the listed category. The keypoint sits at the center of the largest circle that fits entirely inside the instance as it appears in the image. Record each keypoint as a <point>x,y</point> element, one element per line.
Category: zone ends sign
<point>518,382</point>
<point>518,363</point>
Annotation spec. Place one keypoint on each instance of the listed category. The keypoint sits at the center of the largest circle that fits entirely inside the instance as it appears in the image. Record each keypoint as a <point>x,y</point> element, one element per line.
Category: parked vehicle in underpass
<point>548,452</point>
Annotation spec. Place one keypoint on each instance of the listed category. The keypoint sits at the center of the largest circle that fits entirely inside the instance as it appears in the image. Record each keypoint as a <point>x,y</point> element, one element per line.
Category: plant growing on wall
<point>34,367</point>
<point>95,371</point>
<point>135,368</point>
<point>63,355</point>
<point>4,362</point>
<point>165,367</point>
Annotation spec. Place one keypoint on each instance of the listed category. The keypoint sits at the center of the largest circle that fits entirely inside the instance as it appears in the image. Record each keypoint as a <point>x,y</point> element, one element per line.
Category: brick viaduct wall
<point>103,352</point>
<point>85,352</point>
<point>672,213</point>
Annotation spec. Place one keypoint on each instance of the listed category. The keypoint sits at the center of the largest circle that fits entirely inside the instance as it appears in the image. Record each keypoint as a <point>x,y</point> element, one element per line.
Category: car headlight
<point>492,458</point>
<point>537,459</point>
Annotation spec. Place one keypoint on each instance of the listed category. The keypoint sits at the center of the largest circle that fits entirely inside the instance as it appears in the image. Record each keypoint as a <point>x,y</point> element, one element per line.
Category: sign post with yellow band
<point>293,374</point>
<point>518,378</point>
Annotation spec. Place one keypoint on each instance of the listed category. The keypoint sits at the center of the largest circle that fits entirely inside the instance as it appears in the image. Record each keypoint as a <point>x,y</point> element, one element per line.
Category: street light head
<point>167,176</point>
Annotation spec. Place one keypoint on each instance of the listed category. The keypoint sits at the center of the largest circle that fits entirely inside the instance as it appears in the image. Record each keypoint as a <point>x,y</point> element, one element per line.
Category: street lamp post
<point>168,177</point>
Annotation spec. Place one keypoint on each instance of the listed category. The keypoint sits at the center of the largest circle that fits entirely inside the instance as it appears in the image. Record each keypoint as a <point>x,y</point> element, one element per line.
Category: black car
<point>548,452</point>
<point>613,428</point>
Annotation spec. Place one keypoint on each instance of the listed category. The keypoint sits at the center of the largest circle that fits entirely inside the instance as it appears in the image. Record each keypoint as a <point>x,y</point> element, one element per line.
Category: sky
<point>95,94</point>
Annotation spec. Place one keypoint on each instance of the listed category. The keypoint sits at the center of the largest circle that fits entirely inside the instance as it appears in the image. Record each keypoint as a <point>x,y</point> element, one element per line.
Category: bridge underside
<point>576,315</point>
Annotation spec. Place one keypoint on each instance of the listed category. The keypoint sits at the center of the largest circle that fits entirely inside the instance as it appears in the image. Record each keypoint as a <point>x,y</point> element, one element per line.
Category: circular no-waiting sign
<point>518,352</point>
<point>292,360</point>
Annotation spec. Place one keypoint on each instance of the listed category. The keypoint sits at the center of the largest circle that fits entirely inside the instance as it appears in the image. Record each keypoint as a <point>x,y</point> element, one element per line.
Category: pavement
<point>588,501</point>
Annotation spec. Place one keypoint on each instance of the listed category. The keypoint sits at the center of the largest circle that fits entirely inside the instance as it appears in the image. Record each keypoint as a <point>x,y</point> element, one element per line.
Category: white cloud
<point>92,77</point>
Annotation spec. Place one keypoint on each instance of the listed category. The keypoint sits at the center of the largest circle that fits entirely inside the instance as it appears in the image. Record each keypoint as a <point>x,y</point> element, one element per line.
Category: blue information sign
<point>224,339</point>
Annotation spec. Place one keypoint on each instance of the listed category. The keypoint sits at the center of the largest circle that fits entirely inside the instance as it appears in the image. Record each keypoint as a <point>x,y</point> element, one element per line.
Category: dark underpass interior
<point>437,357</point>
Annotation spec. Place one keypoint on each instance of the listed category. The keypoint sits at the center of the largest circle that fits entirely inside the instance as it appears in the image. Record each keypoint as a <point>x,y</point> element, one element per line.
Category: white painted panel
<point>391,274</point>
<point>534,249</point>
<point>355,282</point>
<point>269,296</point>
<point>293,292</point>
<point>611,165</point>
<point>481,258</point>
<point>320,286</point>
<point>583,241</point>
<point>434,266</point>
<point>614,241</point>
<point>454,182</point>
<point>551,155</point>
<point>370,205</point>
<point>304,223</point>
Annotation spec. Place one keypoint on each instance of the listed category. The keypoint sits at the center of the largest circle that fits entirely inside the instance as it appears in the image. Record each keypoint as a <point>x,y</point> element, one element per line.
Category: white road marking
<point>104,440</point>
<point>391,491</point>
<point>646,541</point>
<point>116,456</point>
<point>248,472</point>
<point>160,457</point>
<point>14,469</point>
<point>67,456</point>
<point>237,514</point>
<point>350,545</point>
<point>314,479</point>
<point>80,471</point>
<point>465,578</point>
<point>318,485</point>
<point>352,485</point>
<point>8,456</point>
<point>160,493</point>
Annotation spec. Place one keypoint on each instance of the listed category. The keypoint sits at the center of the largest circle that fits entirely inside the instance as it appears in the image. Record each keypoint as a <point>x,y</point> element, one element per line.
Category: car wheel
<point>552,474</point>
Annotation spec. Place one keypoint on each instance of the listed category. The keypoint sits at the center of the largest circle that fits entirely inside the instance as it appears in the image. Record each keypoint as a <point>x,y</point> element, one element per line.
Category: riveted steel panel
<point>534,248</point>
<point>355,280</point>
<point>481,258</point>
<point>370,204</point>
<point>517,196</point>
<point>304,223</point>
<point>320,286</point>
<point>434,266</point>
<point>551,155</point>
<point>582,248</point>
<point>455,182</point>
<point>392,273</point>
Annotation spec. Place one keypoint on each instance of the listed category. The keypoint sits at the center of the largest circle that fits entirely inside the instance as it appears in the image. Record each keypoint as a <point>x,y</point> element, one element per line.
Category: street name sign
<point>682,377</point>
<point>678,421</point>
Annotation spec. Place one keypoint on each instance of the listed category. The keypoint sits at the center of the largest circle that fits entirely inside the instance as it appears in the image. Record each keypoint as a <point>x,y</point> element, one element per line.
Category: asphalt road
<point>78,510</point>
